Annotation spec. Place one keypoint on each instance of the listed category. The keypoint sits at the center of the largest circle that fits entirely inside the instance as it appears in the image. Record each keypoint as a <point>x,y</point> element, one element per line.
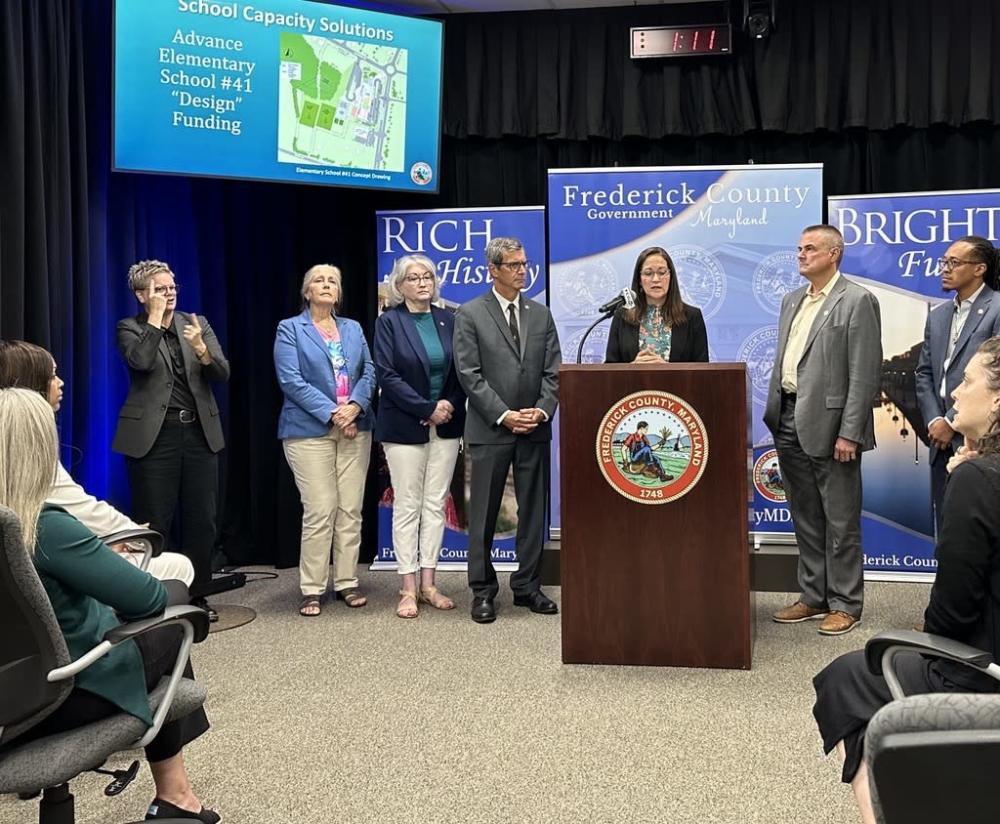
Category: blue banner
<point>282,90</point>
<point>892,242</point>
<point>731,232</point>
<point>455,239</point>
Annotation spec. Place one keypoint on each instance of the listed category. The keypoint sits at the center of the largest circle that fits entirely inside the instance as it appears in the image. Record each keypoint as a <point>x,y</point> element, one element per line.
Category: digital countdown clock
<point>681,41</point>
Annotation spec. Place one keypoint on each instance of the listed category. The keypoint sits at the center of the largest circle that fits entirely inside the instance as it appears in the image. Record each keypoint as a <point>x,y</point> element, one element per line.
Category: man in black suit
<point>168,427</point>
<point>507,356</point>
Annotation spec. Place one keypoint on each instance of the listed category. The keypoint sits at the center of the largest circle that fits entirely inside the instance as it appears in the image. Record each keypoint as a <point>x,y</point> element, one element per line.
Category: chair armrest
<point>171,615</point>
<point>883,648</point>
<point>151,539</point>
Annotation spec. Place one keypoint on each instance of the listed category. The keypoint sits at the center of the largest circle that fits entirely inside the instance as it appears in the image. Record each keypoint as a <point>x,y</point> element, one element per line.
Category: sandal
<point>352,597</point>
<point>404,610</point>
<point>436,598</point>
<point>309,603</point>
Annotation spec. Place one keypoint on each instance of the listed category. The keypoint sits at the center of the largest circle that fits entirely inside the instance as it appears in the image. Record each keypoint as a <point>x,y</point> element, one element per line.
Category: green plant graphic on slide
<point>341,103</point>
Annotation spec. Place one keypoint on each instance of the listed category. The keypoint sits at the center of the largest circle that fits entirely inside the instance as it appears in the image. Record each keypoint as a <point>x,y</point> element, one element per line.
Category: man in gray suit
<point>952,335</point>
<point>819,409</point>
<point>507,357</point>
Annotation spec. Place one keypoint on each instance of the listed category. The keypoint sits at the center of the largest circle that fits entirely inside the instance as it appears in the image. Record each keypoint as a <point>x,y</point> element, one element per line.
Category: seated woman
<point>87,584</point>
<point>661,328</point>
<point>31,367</point>
<point>964,600</point>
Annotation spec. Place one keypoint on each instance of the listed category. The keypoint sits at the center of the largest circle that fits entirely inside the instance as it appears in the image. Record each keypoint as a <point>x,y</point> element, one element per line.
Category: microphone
<point>625,298</point>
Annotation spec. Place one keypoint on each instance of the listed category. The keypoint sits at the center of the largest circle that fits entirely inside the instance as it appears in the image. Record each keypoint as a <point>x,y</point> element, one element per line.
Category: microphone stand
<point>583,340</point>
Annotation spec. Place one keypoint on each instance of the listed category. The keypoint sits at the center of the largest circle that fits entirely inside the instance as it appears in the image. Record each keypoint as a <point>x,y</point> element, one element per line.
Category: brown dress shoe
<point>797,613</point>
<point>838,623</point>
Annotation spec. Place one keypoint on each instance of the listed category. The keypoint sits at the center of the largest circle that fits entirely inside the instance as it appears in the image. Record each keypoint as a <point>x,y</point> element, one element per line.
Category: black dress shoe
<point>537,602</point>
<point>483,611</point>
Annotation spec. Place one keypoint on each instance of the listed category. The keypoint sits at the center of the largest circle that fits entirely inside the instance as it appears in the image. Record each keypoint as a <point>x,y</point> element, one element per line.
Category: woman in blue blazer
<point>421,418</point>
<point>327,376</point>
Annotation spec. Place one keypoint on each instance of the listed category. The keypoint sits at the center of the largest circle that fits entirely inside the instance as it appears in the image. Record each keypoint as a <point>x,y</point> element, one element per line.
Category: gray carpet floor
<point>359,716</point>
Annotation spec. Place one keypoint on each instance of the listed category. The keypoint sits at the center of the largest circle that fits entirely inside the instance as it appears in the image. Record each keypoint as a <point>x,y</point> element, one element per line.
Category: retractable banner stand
<point>731,232</point>
<point>455,240</point>
<point>892,242</point>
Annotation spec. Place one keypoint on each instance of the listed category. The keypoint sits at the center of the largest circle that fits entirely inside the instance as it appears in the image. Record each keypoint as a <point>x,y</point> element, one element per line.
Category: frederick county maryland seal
<point>767,477</point>
<point>652,447</point>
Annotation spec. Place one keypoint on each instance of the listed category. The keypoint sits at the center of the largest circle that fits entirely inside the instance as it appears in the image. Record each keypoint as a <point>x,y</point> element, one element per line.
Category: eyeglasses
<point>166,290</point>
<point>515,265</point>
<point>947,264</point>
<point>651,274</point>
<point>424,278</point>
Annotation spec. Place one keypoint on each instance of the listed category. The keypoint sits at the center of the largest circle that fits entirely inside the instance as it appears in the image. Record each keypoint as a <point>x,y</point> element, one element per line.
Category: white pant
<point>421,474</point>
<point>167,566</point>
<point>330,474</point>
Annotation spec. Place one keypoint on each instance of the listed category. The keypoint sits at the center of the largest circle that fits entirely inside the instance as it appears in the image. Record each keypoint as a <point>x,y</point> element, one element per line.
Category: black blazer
<point>150,374</point>
<point>405,379</point>
<point>688,342</point>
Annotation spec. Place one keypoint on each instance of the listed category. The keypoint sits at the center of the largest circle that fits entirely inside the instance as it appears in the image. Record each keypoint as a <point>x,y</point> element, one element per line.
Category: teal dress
<point>86,583</point>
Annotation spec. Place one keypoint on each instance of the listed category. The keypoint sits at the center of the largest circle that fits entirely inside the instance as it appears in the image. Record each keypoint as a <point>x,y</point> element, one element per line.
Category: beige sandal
<point>404,611</point>
<point>436,598</point>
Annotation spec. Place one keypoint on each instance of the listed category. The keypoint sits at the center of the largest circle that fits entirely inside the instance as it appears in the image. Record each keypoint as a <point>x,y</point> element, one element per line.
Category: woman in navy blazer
<point>661,328</point>
<point>327,376</point>
<point>421,418</point>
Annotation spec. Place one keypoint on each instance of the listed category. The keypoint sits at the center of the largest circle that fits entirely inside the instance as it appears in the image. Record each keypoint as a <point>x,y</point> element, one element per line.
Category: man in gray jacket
<point>819,409</point>
<point>507,357</point>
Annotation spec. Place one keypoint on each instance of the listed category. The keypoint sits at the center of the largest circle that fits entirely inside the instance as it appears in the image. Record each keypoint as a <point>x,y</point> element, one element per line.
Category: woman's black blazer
<point>688,342</point>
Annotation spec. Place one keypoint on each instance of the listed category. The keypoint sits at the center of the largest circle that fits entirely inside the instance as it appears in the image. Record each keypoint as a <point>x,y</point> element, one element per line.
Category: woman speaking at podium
<point>661,328</point>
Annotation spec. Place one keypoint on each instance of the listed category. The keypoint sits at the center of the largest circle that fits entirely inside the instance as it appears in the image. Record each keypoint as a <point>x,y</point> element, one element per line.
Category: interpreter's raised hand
<point>193,335</point>
<point>969,450</point>
<point>156,303</point>
<point>345,415</point>
<point>940,433</point>
<point>845,450</point>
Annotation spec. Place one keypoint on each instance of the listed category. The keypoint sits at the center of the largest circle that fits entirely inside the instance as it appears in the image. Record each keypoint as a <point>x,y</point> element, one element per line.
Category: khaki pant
<point>330,474</point>
<point>421,476</point>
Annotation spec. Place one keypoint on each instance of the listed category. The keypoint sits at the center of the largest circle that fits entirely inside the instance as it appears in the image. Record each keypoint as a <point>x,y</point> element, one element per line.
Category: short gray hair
<point>140,273</point>
<point>312,271</point>
<point>499,246</point>
<point>395,297</point>
<point>831,234</point>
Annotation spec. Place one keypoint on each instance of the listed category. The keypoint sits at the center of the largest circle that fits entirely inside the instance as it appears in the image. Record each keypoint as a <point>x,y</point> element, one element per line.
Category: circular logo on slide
<point>767,477</point>
<point>652,447</point>
<point>758,352</point>
<point>421,173</point>
<point>775,276</point>
<point>593,350</point>
<point>701,278</point>
<point>580,287</point>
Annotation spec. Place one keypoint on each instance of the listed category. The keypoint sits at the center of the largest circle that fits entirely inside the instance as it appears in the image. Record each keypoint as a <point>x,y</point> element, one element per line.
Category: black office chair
<point>36,675</point>
<point>933,758</point>
<point>150,541</point>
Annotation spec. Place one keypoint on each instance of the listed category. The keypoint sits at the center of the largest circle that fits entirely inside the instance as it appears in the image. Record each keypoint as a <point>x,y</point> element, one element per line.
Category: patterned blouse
<point>654,332</point>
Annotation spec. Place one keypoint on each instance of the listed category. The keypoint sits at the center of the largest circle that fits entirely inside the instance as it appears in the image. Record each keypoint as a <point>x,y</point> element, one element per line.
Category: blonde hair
<point>29,454</point>
<point>312,271</point>
<point>140,273</point>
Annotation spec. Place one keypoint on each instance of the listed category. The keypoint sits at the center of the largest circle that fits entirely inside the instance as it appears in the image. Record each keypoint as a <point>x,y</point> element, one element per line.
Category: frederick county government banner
<point>455,239</point>
<point>732,232</point>
<point>891,244</point>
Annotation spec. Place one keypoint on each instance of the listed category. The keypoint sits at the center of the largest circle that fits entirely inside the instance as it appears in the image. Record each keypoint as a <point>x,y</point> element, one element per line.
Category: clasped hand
<point>523,421</point>
<point>442,413</point>
<point>648,355</point>
<point>343,418</point>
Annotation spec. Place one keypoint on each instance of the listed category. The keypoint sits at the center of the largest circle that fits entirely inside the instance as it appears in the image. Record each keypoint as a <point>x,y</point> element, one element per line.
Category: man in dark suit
<point>952,334</point>
<point>168,427</point>
<point>507,356</point>
<point>819,409</point>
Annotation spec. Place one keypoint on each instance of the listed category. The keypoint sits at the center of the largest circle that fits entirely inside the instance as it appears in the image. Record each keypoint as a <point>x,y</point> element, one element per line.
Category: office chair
<point>150,541</point>
<point>935,757</point>
<point>36,676</point>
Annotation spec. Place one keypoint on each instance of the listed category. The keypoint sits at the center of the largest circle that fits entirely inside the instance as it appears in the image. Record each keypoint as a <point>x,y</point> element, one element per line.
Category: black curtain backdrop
<point>891,95</point>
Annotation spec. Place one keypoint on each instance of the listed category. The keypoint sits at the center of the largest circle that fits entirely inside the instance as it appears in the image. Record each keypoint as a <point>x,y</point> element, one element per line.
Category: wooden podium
<point>647,580</point>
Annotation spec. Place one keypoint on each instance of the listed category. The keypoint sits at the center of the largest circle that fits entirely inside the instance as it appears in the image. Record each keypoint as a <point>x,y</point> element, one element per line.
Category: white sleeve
<point>99,517</point>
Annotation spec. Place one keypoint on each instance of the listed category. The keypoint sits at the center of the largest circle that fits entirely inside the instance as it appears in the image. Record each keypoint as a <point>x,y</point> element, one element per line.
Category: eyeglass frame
<point>166,290</point>
<point>515,265</point>
<point>649,274</point>
<point>426,277</point>
<point>947,264</point>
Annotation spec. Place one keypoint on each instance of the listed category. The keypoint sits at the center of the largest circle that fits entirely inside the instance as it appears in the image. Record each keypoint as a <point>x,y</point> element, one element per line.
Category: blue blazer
<point>306,377</point>
<point>983,323</point>
<point>405,378</point>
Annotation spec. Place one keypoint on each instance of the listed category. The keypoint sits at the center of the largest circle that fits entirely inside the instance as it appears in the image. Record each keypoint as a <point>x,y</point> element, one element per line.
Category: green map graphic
<point>341,103</point>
